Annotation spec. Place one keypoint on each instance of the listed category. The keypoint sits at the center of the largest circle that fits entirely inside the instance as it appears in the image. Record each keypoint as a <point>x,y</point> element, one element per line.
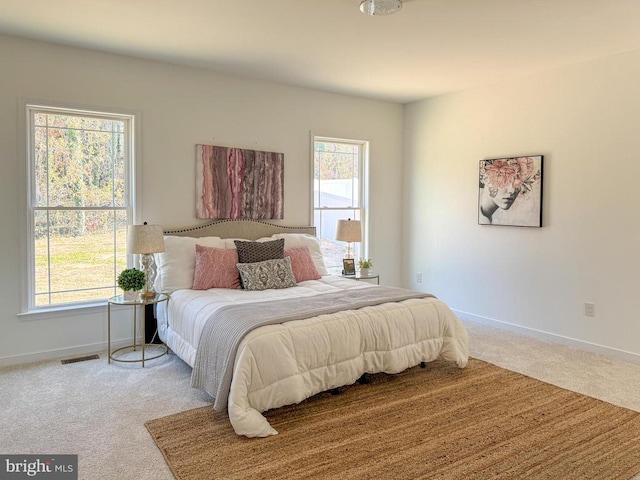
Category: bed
<point>267,333</point>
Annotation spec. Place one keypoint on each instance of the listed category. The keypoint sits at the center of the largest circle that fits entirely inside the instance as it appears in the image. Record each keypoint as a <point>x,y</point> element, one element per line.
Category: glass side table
<point>158,349</point>
<point>369,276</point>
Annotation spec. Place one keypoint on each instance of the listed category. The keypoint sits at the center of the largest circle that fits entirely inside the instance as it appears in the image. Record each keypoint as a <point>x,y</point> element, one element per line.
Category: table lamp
<point>349,231</point>
<point>146,240</point>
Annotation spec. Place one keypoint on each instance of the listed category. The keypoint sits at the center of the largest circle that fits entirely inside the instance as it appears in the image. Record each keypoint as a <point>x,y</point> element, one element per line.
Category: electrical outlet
<point>419,277</point>
<point>589,309</point>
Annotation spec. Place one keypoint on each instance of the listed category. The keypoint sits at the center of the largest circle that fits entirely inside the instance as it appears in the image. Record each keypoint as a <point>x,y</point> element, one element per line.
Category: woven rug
<point>482,422</point>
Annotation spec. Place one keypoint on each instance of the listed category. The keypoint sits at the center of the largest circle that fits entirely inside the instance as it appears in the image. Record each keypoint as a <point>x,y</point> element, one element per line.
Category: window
<point>79,203</point>
<point>339,193</point>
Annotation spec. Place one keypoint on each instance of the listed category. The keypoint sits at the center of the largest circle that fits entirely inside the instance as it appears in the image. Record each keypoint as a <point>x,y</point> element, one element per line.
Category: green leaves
<point>365,263</point>
<point>131,279</point>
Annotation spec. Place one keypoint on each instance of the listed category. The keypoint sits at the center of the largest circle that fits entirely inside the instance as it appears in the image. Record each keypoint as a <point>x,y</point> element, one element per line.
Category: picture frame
<point>510,191</point>
<point>348,266</point>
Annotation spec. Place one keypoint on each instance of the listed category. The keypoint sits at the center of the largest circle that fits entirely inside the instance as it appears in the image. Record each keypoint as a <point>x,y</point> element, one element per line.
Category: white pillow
<point>230,242</point>
<point>292,240</point>
<point>177,264</point>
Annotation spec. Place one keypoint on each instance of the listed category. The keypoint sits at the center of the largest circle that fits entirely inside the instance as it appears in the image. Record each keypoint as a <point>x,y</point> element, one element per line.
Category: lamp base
<point>147,266</point>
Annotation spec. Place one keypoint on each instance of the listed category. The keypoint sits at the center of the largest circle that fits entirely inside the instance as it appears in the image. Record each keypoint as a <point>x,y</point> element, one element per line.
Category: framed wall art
<point>239,183</point>
<point>510,191</point>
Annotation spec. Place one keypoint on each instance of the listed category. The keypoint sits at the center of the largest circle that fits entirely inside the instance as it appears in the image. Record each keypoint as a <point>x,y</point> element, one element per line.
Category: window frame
<point>363,187</point>
<point>26,157</point>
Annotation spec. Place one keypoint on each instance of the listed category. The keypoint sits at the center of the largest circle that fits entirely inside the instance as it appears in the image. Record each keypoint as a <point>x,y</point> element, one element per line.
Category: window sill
<point>66,311</point>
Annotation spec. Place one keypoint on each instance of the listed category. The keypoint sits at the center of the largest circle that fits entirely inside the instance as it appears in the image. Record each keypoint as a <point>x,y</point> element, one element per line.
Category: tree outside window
<point>79,204</point>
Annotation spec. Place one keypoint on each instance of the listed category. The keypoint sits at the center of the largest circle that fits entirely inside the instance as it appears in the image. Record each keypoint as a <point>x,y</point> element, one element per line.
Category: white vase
<point>364,272</point>
<point>130,295</point>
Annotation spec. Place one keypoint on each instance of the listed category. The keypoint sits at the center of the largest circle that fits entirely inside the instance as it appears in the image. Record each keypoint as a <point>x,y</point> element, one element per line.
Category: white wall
<point>180,107</point>
<point>585,120</point>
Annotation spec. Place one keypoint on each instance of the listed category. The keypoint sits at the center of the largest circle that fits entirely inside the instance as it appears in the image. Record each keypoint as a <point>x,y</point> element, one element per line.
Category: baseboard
<point>464,316</point>
<point>61,353</point>
<point>551,337</point>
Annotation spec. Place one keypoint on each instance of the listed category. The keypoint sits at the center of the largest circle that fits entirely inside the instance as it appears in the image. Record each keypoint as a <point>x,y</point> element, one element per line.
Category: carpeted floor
<point>483,422</point>
<point>98,411</point>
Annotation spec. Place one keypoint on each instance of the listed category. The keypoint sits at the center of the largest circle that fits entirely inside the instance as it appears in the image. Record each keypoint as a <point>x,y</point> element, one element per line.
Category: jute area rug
<point>482,422</point>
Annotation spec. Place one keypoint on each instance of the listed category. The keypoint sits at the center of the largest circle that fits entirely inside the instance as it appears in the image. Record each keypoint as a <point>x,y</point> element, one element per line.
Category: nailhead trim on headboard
<point>239,228</point>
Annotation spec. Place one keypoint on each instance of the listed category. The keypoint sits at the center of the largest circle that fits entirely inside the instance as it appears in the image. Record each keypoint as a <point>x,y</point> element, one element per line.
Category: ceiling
<point>429,48</point>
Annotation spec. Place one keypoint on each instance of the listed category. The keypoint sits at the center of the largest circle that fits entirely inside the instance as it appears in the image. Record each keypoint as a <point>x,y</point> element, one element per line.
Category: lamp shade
<point>145,239</point>
<point>349,231</point>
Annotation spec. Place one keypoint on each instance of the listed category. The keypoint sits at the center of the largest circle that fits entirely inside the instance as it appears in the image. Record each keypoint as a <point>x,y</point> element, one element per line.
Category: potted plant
<point>365,264</point>
<point>131,280</point>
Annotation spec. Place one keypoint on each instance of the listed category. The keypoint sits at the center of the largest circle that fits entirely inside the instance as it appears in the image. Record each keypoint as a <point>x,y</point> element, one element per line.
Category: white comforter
<point>283,364</point>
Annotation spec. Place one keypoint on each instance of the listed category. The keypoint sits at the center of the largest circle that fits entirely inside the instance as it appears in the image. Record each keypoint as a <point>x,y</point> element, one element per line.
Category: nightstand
<point>157,350</point>
<point>370,276</point>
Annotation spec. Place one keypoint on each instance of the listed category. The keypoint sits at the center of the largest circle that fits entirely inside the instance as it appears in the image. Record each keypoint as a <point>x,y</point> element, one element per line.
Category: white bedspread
<point>282,364</point>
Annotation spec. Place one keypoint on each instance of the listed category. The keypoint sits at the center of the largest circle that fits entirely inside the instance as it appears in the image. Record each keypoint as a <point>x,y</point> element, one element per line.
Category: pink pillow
<point>216,268</point>
<point>302,264</point>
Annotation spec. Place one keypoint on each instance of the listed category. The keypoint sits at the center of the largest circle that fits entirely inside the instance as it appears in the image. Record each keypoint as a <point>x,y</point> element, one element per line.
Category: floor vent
<point>80,359</point>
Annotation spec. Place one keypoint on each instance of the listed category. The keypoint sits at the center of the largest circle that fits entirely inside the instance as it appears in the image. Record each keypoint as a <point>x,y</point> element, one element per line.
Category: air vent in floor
<point>80,359</point>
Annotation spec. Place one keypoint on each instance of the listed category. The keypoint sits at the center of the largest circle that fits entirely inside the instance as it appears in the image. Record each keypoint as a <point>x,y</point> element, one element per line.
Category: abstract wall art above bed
<point>239,183</point>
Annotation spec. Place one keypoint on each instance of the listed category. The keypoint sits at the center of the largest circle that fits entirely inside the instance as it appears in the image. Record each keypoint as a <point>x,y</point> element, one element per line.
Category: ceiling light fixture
<point>380,7</point>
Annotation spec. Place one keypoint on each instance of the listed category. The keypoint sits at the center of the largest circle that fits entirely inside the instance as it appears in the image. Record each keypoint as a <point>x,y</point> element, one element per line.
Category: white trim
<point>364,200</point>
<point>133,166</point>
<point>363,185</point>
<point>63,311</point>
<point>551,337</point>
<point>312,200</point>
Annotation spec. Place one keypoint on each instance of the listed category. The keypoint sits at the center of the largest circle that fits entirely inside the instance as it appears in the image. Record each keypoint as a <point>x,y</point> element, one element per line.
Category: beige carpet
<point>440,423</point>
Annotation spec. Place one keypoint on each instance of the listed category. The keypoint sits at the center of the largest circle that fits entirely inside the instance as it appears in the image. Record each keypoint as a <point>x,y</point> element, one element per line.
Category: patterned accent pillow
<point>302,264</point>
<point>251,252</point>
<point>268,274</point>
<point>215,268</point>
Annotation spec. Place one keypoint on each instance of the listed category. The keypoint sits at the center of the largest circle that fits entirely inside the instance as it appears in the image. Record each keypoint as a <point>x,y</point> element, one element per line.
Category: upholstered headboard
<point>249,229</point>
